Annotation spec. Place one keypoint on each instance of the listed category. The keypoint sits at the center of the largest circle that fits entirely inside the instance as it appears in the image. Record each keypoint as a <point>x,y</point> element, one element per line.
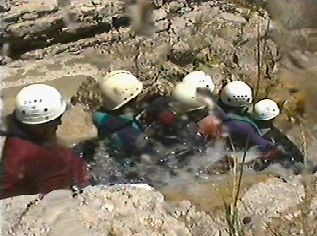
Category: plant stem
<point>258,63</point>
<point>241,172</point>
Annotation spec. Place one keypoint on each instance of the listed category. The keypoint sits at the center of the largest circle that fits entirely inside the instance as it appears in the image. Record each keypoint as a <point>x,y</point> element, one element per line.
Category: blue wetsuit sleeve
<point>99,118</point>
<point>255,139</point>
<point>240,130</point>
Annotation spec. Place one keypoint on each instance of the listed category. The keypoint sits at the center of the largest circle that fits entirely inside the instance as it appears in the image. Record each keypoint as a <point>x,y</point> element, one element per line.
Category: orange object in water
<point>210,127</point>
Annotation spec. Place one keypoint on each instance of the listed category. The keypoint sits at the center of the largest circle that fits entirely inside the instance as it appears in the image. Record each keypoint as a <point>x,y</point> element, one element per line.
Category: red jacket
<point>29,168</point>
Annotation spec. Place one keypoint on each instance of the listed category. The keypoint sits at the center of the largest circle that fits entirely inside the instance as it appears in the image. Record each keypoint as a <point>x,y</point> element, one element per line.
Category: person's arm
<point>243,131</point>
<point>100,119</point>
<point>86,149</point>
<point>291,150</point>
<point>79,169</point>
<point>269,151</point>
<point>8,184</point>
<point>14,177</point>
<point>263,144</point>
<point>56,168</point>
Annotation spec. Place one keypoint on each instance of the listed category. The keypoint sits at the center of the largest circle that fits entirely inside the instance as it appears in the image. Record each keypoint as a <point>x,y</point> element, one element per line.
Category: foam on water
<point>185,182</point>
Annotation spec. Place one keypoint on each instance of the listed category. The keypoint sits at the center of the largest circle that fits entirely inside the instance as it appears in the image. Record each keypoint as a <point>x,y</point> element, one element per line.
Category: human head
<point>185,98</point>
<point>199,79</point>
<point>265,110</point>
<point>236,94</point>
<point>40,108</point>
<point>118,88</point>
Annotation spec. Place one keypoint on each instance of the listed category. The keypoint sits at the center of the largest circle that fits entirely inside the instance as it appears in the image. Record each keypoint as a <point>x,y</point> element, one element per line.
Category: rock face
<point>282,207</point>
<point>33,24</point>
<point>272,203</point>
<point>77,126</point>
<point>293,14</point>
<point>101,210</point>
<point>139,209</point>
<point>215,36</point>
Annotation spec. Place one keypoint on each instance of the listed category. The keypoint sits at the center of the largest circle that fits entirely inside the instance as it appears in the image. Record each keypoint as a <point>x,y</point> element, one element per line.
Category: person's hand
<point>86,149</point>
<point>210,127</point>
<point>266,158</point>
<point>274,154</point>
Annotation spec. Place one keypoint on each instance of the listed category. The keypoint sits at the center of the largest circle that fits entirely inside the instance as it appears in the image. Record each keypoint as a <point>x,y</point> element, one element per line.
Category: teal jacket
<point>124,132</point>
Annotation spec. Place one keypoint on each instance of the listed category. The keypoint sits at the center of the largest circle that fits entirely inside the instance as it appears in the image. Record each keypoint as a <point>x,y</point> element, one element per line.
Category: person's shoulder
<point>19,145</point>
<point>100,117</point>
<point>18,151</point>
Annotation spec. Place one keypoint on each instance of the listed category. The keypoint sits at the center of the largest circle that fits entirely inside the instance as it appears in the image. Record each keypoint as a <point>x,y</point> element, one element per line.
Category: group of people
<point>193,117</point>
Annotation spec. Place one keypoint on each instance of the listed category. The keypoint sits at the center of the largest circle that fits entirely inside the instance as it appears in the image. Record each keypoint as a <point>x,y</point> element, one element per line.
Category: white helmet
<point>199,79</point>
<point>266,109</point>
<point>118,88</point>
<point>38,104</point>
<point>185,98</point>
<point>236,94</point>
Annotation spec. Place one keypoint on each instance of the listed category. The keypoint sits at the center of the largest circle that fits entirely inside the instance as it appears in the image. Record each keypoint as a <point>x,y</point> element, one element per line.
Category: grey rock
<point>31,24</point>
<point>272,198</point>
<point>102,210</point>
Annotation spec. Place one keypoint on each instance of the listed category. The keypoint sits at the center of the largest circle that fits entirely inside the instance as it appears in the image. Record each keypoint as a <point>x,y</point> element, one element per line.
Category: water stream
<point>207,192</point>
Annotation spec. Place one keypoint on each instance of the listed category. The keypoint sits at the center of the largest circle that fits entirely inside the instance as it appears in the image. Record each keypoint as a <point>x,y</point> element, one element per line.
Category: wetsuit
<point>242,129</point>
<point>125,134</point>
<point>293,152</point>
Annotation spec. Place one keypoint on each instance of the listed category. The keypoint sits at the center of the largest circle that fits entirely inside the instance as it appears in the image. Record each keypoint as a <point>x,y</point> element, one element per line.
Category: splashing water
<point>186,181</point>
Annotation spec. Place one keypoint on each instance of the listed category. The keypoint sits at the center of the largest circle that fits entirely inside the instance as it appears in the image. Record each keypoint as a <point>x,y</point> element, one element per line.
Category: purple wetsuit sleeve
<point>240,130</point>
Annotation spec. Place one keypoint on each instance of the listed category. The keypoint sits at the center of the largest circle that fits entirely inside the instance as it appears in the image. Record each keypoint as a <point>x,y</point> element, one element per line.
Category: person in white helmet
<point>245,132</point>
<point>184,100</point>
<point>187,105</point>
<point>241,130</point>
<point>32,162</point>
<point>235,97</point>
<point>181,136</point>
<point>116,121</point>
<point>119,122</point>
<point>264,113</point>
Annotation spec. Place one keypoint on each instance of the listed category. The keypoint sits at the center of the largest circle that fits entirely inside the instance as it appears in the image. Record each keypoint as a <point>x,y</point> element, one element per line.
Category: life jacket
<point>30,168</point>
